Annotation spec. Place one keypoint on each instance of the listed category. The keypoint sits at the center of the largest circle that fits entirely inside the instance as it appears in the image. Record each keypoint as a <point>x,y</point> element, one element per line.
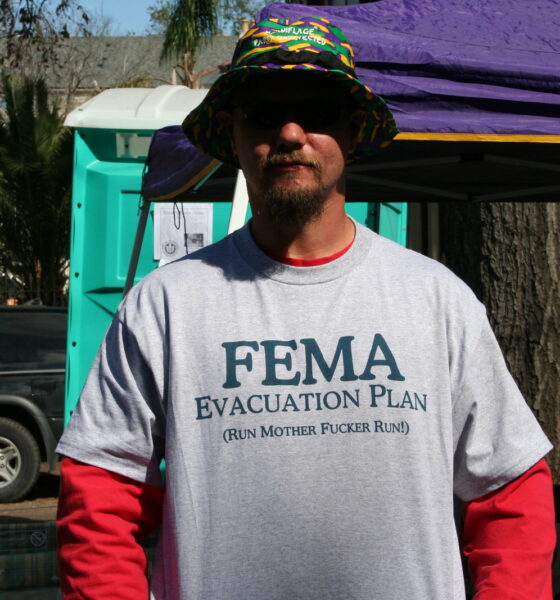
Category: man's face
<point>291,133</point>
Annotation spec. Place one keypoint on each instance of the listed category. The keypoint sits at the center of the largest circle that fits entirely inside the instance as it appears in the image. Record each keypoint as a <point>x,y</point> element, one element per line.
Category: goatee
<point>288,205</point>
<point>293,207</point>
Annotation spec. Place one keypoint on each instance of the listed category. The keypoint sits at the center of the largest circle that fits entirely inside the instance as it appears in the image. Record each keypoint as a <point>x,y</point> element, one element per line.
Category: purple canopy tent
<point>474,86</point>
<point>456,67</point>
<point>475,89</point>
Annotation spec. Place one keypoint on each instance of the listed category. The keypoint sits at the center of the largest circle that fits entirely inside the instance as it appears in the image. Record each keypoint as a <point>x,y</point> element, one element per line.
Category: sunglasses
<point>311,116</point>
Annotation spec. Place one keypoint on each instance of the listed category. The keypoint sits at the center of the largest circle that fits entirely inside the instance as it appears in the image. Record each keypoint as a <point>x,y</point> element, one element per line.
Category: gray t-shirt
<point>315,422</point>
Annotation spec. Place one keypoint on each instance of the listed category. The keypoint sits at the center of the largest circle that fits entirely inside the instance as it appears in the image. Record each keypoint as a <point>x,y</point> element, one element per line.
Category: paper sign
<point>179,225</point>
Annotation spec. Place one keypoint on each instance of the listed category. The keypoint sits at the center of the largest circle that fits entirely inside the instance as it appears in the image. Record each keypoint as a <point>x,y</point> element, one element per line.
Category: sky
<point>128,16</point>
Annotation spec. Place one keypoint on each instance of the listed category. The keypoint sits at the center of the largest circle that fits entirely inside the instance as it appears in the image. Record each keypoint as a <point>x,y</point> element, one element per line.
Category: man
<point>318,393</point>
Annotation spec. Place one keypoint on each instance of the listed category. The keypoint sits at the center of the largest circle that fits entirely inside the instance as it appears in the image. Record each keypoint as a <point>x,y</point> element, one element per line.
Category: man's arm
<point>101,516</point>
<point>509,538</point>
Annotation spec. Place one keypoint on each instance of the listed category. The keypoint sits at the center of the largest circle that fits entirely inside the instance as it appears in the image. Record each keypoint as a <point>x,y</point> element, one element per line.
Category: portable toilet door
<point>112,136</point>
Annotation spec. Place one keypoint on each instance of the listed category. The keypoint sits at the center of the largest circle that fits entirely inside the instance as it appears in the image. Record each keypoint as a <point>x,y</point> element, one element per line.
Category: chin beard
<point>292,207</point>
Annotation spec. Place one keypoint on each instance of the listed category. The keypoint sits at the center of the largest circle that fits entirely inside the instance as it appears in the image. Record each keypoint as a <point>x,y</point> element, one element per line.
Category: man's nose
<point>291,135</point>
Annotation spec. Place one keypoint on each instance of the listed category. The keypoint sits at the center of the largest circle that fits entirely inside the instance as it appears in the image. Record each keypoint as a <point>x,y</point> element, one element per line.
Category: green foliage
<point>160,15</point>
<point>188,24</point>
<point>232,12</point>
<point>229,14</point>
<point>190,21</point>
<point>35,184</point>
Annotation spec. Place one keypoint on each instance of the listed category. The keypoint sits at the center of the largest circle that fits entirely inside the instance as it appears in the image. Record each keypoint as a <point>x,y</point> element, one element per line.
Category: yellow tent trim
<point>190,184</point>
<point>477,137</point>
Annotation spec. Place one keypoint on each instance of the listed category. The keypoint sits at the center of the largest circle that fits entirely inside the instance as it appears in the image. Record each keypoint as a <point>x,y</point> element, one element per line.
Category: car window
<point>32,340</point>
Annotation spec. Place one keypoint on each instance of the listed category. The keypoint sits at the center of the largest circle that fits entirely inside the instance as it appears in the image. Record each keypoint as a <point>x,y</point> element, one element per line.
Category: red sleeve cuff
<point>510,536</point>
<point>101,515</point>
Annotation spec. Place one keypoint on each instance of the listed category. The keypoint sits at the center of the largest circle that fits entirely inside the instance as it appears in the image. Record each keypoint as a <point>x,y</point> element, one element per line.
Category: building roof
<point>94,63</point>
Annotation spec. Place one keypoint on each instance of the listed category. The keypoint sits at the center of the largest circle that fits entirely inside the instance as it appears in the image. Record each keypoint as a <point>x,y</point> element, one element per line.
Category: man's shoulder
<point>415,270</point>
<point>394,255</point>
<point>180,281</point>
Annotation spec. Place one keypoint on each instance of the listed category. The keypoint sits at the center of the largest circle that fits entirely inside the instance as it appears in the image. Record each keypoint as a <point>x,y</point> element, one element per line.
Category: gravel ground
<point>40,504</point>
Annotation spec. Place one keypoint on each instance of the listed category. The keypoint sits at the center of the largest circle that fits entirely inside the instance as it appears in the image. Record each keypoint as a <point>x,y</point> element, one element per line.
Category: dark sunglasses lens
<point>312,116</point>
<point>317,116</point>
<point>260,115</point>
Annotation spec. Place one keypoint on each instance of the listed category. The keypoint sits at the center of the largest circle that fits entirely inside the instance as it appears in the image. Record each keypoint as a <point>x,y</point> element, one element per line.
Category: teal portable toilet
<point>113,132</point>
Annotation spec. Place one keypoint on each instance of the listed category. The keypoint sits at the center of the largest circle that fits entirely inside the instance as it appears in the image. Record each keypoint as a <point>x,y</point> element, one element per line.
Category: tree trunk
<point>188,69</point>
<point>509,253</point>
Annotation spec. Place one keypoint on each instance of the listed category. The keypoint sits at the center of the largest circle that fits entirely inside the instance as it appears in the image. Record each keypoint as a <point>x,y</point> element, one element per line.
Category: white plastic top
<point>136,108</point>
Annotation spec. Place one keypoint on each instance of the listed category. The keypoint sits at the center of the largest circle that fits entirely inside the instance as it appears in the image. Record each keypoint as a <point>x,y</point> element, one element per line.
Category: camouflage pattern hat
<point>311,44</point>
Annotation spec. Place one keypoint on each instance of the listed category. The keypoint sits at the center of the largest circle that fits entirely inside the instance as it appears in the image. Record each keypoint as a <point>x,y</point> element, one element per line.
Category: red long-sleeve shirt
<point>509,538</point>
<point>101,516</point>
<point>509,534</point>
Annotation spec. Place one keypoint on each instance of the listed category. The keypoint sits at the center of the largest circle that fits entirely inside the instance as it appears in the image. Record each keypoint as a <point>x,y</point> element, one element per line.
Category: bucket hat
<point>308,44</point>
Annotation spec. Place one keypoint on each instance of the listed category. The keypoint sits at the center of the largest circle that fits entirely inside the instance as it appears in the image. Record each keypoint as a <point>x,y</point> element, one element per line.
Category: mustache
<point>276,160</point>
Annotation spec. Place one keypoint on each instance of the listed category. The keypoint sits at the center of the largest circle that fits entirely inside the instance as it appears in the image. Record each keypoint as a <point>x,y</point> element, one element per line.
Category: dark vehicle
<point>32,369</point>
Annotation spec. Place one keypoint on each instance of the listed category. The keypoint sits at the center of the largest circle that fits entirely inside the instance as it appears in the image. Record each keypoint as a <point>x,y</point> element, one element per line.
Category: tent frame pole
<point>135,256</point>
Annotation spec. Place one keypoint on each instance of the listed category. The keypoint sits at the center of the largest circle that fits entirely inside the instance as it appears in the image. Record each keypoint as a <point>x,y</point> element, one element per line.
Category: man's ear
<point>357,122</point>
<point>225,119</point>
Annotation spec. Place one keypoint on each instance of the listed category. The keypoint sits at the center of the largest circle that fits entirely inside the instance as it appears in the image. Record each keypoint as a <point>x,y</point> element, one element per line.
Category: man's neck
<point>329,233</point>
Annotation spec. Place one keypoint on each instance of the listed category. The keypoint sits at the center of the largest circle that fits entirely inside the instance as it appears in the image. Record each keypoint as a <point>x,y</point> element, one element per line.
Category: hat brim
<point>209,135</point>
